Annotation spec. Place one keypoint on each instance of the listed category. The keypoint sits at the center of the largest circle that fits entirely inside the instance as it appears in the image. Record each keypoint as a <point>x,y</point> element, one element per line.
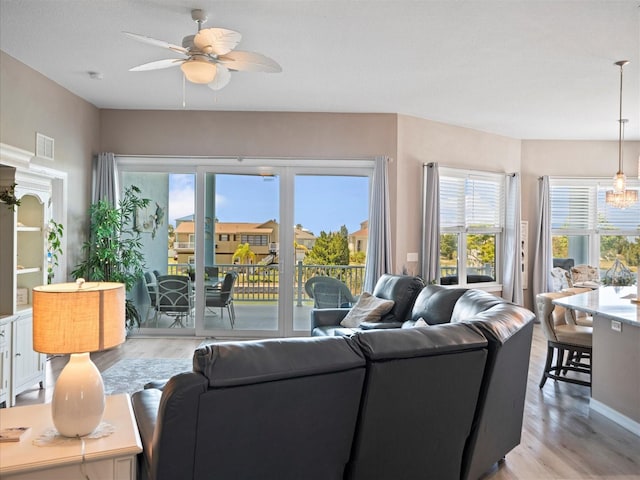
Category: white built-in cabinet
<point>23,265</point>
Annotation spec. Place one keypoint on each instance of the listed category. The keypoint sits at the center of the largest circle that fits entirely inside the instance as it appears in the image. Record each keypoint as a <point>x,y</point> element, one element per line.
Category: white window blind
<point>471,201</point>
<point>578,205</point>
<point>572,206</point>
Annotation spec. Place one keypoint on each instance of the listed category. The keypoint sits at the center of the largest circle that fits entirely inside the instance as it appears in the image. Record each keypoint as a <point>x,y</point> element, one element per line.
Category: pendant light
<point>620,197</point>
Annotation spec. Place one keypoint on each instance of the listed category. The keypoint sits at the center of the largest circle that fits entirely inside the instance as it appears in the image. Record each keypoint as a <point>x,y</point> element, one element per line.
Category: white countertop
<point>612,302</point>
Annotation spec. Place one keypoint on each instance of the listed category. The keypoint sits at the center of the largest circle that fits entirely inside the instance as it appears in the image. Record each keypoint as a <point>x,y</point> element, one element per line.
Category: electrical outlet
<point>616,326</point>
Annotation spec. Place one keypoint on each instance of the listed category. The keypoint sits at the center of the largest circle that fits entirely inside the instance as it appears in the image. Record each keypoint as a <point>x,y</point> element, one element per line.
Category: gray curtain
<point>543,261</point>
<point>431,224</point>
<point>105,179</point>
<point>379,242</point>
<point>512,248</point>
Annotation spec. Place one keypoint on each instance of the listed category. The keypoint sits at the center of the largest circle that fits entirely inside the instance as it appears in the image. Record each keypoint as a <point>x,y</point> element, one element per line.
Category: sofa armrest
<point>326,317</point>
<point>167,421</point>
<point>380,325</point>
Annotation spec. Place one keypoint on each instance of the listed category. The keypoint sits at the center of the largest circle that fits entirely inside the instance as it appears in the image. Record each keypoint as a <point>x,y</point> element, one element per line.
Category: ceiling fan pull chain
<point>184,90</point>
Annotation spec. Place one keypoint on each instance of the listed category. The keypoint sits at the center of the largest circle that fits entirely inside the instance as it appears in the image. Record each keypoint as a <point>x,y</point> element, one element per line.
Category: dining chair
<point>576,317</point>
<point>563,338</point>
<point>151,286</point>
<point>223,297</point>
<point>175,298</point>
<point>584,273</point>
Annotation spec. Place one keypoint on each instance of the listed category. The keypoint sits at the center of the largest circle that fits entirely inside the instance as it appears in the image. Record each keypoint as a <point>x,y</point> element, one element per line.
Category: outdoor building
<point>358,239</point>
<point>261,237</point>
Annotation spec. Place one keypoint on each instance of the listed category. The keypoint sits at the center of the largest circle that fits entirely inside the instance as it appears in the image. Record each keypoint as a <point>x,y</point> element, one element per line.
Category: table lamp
<point>78,318</point>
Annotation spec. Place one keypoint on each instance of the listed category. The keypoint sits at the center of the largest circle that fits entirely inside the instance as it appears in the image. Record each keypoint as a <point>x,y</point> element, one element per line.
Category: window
<point>224,237</point>
<point>587,230</point>
<point>471,225</point>
<point>260,240</point>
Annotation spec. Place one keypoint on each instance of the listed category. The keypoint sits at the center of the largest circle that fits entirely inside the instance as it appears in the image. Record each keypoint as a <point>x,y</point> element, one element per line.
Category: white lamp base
<point>78,398</point>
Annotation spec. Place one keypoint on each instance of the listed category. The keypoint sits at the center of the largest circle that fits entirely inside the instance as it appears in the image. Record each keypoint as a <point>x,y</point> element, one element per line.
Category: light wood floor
<point>561,438</point>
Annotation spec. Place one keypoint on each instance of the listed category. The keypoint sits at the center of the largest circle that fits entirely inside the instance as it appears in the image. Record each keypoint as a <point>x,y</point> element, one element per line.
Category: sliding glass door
<point>240,267</point>
<point>331,215</point>
<point>248,237</point>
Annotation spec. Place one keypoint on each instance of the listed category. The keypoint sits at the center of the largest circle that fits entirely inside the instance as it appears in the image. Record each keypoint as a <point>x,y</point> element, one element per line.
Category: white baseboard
<point>615,416</point>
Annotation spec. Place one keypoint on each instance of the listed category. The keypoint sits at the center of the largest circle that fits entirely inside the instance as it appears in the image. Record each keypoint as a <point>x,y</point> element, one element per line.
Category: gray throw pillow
<point>367,309</point>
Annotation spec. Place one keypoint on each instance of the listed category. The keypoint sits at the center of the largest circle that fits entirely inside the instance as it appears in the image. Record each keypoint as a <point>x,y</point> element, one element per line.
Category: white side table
<point>108,458</point>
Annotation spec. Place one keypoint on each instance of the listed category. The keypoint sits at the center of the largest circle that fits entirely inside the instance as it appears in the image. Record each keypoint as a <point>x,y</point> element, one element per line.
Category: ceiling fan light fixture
<point>199,70</point>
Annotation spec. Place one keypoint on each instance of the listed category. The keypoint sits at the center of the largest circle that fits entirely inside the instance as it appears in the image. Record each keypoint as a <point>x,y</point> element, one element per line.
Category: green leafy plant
<point>8,196</point>
<point>114,249</point>
<point>55,231</point>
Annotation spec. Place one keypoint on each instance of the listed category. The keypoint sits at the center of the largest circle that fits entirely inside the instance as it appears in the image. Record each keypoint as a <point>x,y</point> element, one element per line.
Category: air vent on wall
<point>44,146</point>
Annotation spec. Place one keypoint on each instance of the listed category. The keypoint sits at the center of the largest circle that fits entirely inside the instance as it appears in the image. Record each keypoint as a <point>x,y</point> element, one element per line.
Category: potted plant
<point>8,197</point>
<point>55,231</point>
<point>114,249</point>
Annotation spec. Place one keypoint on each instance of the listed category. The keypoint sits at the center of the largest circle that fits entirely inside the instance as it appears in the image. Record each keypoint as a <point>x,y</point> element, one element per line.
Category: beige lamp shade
<point>78,317</point>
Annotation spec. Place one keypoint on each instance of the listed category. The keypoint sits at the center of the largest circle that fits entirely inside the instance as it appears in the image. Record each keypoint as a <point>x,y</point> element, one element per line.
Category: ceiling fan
<point>208,56</point>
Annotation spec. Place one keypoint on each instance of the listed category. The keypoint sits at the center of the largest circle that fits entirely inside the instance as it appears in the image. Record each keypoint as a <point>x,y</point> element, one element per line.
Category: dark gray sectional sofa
<point>441,402</point>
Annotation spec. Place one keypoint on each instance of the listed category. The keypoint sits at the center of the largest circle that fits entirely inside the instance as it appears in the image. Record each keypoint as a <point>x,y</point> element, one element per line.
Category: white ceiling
<point>532,69</point>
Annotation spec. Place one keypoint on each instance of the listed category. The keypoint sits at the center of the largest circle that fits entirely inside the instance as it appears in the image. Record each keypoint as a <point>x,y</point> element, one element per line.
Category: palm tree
<point>244,253</point>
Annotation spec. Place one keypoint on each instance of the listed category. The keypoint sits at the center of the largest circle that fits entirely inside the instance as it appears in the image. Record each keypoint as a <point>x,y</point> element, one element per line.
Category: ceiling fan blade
<point>156,43</point>
<point>221,79</point>
<point>158,64</point>
<point>249,62</point>
<point>216,40</point>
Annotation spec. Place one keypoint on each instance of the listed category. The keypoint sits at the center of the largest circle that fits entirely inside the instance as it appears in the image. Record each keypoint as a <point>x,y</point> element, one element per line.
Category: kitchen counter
<point>615,363</point>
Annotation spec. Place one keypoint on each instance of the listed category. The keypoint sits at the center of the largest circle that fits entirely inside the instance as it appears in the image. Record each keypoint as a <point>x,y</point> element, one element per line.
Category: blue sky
<point>321,202</point>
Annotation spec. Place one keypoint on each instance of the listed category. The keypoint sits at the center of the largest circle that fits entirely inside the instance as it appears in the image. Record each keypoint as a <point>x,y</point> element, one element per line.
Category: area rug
<point>130,374</point>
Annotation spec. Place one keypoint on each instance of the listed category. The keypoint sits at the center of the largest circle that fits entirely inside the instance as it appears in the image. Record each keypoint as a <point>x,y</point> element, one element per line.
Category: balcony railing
<point>184,245</point>
<point>261,282</point>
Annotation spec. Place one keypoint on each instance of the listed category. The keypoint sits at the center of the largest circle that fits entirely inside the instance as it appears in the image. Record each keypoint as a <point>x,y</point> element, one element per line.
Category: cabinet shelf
<point>22,271</point>
<point>28,229</point>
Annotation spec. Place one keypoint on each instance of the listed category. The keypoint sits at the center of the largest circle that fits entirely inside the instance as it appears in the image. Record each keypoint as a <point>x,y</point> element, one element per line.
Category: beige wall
<point>263,134</point>
<point>424,141</point>
<point>30,103</point>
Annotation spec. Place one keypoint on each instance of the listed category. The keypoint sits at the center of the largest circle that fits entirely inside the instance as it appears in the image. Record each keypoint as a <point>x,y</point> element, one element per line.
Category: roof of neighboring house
<point>303,234</point>
<point>185,227</point>
<point>242,227</point>
<point>363,232</point>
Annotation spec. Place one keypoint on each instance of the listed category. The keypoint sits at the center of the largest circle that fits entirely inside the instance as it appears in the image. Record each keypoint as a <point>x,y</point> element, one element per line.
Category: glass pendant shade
<point>619,182</point>
<point>198,70</point>
<point>623,199</point>
<point>619,196</point>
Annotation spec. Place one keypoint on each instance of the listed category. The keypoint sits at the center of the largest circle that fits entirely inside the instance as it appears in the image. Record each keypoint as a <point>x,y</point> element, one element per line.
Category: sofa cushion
<point>473,302</point>
<point>435,304</point>
<point>239,363</point>
<point>403,289</point>
<point>367,309</point>
<point>418,403</point>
